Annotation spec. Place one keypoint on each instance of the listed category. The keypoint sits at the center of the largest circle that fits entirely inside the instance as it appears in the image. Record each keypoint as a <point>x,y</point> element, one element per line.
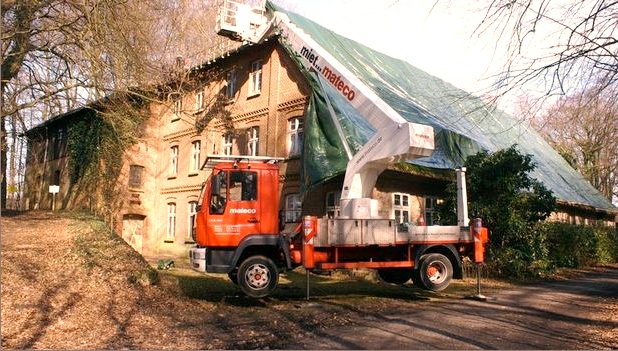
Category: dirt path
<point>66,284</point>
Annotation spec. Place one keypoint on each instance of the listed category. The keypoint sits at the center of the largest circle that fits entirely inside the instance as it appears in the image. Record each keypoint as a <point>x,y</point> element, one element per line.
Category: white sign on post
<point>54,189</point>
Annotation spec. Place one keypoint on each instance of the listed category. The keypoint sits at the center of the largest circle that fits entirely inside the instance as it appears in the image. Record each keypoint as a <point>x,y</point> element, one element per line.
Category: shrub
<point>511,205</point>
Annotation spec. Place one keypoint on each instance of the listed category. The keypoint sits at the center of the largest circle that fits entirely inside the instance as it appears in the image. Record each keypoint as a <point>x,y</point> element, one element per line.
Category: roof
<point>463,124</point>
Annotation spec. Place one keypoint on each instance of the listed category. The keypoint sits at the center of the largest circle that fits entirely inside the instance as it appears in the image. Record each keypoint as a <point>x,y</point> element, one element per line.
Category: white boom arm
<point>395,139</point>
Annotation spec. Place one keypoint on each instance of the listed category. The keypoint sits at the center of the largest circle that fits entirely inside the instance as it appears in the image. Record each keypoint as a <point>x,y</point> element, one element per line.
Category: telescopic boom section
<point>395,139</point>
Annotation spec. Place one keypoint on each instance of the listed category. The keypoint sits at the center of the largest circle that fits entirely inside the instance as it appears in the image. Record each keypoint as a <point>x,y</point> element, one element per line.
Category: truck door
<point>234,209</point>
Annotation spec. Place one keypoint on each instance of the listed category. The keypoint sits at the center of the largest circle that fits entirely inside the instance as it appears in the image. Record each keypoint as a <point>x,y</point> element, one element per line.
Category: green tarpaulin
<point>463,124</point>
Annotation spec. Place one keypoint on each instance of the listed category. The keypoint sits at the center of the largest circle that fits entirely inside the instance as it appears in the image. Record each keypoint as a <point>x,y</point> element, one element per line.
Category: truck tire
<point>435,272</point>
<point>257,276</point>
<point>395,276</point>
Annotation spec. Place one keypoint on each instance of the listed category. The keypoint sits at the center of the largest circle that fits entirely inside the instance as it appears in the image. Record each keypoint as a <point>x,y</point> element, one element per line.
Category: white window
<point>295,136</point>
<point>171,221</point>
<point>332,204</point>
<point>191,219</point>
<point>230,89</point>
<point>401,207</point>
<point>195,156</point>
<point>431,210</point>
<point>255,78</point>
<point>254,138</point>
<point>226,143</point>
<point>292,208</point>
<point>199,100</point>
<point>174,161</point>
<point>177,109</point>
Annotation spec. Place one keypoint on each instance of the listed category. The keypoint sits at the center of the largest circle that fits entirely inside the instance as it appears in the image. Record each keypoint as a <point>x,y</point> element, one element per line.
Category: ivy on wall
<point>96,146</point>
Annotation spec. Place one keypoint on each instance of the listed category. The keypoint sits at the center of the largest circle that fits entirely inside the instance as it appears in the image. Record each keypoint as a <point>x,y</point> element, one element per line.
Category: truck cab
<point>237,219</point>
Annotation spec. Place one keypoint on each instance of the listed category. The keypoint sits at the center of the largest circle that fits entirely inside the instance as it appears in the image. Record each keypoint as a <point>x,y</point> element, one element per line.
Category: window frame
<point>333,210</point>
<point>170,234</point>
<point>253,141</point>
<point>174,152</point>
<point>430,211</point>
<point>227,143</point>
<point>255,78</point>
<point>191,218</point>
<point>176,108</point>
<point>132,175</point>
<point>199,100</point>
<point>293,208</point>
<point>196,150</point>
<point>295,136</point>
<point>231,84</point>
<point>401,207</point>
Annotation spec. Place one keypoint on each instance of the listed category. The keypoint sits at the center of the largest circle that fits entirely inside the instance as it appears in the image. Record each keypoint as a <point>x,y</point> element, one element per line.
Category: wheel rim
<point>436,272</point>
<point>257,276</point>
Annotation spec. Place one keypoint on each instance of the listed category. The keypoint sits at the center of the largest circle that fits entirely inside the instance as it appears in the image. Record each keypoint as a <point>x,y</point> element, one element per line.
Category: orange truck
<point>238,225</point>
<point>238,232</point>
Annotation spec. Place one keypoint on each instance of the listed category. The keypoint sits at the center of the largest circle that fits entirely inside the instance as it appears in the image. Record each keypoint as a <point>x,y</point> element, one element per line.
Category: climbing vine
<point>96,146</point>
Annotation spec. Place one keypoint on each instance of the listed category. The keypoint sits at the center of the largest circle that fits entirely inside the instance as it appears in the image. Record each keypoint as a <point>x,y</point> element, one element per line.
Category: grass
<point>96,246</point>
<point>340,284</point>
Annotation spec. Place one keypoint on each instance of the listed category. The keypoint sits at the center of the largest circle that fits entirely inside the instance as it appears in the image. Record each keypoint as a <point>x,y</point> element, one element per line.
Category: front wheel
<point>257,276</point>
<point>434,273</point>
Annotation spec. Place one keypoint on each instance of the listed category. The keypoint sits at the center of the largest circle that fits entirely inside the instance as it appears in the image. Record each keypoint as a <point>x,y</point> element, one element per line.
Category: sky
<point>436,36</point>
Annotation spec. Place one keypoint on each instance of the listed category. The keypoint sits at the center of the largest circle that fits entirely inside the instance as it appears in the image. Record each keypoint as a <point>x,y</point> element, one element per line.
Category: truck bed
<point>357,232</point>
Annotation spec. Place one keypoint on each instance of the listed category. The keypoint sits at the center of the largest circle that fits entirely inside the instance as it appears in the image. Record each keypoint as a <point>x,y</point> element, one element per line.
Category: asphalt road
<point>578,313</point>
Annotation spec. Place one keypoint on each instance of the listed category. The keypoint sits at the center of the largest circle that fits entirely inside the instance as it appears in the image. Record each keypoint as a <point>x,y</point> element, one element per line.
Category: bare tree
<point>583,128</point>
<point>556,46</point>
<point>58,54</point>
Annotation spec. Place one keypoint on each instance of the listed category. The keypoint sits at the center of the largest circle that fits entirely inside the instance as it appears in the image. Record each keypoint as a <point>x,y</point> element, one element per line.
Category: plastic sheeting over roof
<point>463,124</point>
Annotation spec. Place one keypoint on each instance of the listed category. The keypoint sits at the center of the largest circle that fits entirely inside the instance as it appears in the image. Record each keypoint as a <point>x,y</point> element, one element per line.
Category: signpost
<point>54,189</point>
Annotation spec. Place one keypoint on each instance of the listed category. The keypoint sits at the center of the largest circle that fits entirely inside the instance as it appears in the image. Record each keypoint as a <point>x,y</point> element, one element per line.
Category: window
<point>177,109</point>
<point>230,89</point>
<point>199,100</point>
<point>218,198</point>
<point>195,156</point>
<point>191,220</point>
<point>226,143</point>
<point>401,207</point>
<point>171,221</point>
<point>136,174</point>
<point>295,136</point>
<point>174,161</point>
<point>255,78</point>
<point>431,211</point>
<point>253,136</point>
<point>292,208</point>
<point>332,204</point>
<point>59,144</point>
<point>56,179</point>
<point>243,186</point>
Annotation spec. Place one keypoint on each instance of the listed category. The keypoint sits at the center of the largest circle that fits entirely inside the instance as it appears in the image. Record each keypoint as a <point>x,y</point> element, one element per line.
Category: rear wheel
<point>395,276</point>
<point>257,276</point>
<point>435,272</point>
